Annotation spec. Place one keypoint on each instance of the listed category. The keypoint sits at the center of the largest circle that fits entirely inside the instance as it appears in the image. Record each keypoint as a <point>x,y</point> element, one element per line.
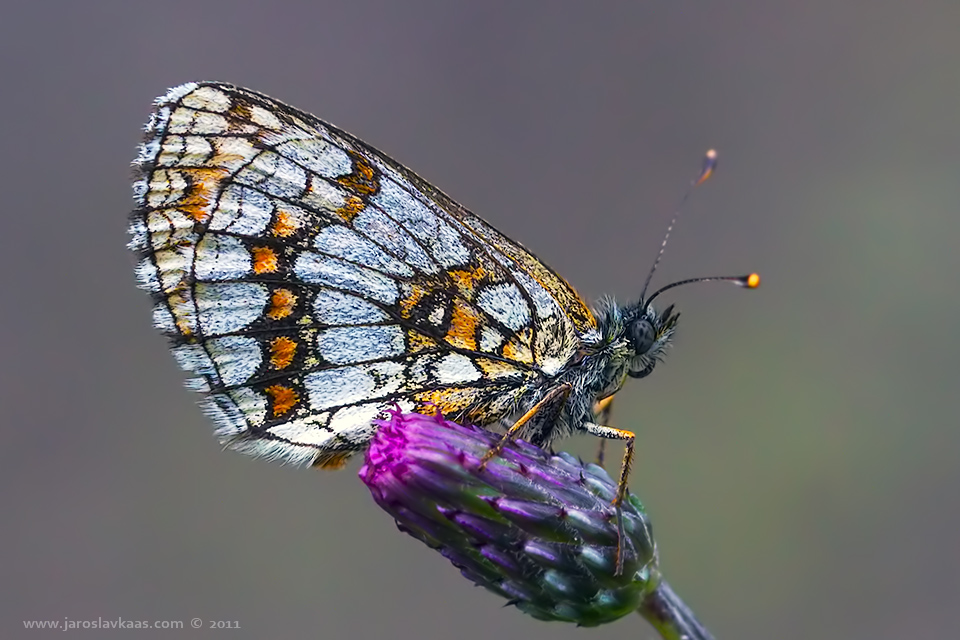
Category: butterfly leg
<point>603,410</point>
<point>629,438</point>
<point>555,397</point>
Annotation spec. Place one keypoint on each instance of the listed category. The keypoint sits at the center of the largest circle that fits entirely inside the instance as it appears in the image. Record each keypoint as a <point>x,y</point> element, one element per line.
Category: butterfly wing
<point>309,281</point>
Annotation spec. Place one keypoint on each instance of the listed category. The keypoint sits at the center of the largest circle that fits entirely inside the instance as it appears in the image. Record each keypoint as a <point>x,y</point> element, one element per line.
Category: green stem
<point>671,617</point>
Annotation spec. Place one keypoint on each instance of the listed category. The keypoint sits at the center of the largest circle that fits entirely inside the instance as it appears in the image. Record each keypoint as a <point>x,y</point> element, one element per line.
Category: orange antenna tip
<point>752,281</point>
<point>709,164</point>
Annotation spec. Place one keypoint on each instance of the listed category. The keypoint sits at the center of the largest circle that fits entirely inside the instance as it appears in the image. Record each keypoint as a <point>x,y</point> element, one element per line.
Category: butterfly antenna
<point>709,164</point>
<point>749,281</point>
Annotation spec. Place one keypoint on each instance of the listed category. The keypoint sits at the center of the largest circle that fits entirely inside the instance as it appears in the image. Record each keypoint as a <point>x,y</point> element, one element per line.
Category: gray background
<point>797,452</point>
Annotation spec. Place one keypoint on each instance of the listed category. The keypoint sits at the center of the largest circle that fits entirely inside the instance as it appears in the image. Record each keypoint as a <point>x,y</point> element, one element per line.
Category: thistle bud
<point>538,529</point>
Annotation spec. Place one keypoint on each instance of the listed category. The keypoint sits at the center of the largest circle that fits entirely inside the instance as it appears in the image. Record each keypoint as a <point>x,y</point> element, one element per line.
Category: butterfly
<point>309,282</point>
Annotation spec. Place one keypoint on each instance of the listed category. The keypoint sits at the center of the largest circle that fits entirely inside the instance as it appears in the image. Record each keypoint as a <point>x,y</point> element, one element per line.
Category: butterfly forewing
<point>310,281</point>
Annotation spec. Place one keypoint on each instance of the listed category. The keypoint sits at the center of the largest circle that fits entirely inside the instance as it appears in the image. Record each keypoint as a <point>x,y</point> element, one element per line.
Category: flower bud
<point>535,528</point>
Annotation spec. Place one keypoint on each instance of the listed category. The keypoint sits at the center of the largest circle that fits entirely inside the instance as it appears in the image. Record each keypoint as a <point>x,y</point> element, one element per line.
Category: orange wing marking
<point>285,224</point>
<point>410,302</point>
<point>463,328</point>
<point>351,208</point>
<point>416,341</point>
<point>282,398</point>
<point>241,110</point>
<point>518,349</point>
<point>466,280</point>
<point>203,183</point>
<point>264,260</point>
<point>282,303</point>
<point>446,400</point>
<point>282,350</point>
<point>363,180</point>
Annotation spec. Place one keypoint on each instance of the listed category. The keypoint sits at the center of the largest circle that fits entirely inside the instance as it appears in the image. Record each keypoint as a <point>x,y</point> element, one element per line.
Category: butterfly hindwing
<point>309,281</point>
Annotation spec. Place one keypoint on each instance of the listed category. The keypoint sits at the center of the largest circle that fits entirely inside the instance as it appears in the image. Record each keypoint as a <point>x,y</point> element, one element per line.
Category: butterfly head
<point>637,335</point>
<point>648,331</point>
<point>647,334</point>
<point>635,338</point>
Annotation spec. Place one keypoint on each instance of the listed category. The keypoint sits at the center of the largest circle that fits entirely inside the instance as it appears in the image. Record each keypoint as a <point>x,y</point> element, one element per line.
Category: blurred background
<point>798,451</point>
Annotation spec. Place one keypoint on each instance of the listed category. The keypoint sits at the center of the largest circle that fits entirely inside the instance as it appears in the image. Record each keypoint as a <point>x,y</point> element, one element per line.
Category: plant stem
<point>671,617</point>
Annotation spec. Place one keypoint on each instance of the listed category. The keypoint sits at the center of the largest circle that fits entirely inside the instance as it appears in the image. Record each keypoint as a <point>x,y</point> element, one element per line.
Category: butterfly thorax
<point>634,338</point>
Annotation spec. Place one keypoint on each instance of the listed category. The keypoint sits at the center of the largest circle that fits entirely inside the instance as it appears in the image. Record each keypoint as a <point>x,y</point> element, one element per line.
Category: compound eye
<point>642,335</point>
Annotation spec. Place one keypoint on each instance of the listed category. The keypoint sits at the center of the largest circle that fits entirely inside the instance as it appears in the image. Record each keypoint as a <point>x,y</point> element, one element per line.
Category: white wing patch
<point>228,307</point>
<point>207,98</point>
<point>221,258</point>
<point>243,211</point>
<point>456,368</point>
<point>236,358</point>
<point>505,303</point>
<point>345,345</point>
<point>334,272</point>
<point>444,244</point>
<point>336,308</point>
<point>349,385</point>
<point>274,175</point>
<point>305,433</point>
<point>346,243</point>
<point>373,223</point>
<point>318,156</point>
<point>355,423</point>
